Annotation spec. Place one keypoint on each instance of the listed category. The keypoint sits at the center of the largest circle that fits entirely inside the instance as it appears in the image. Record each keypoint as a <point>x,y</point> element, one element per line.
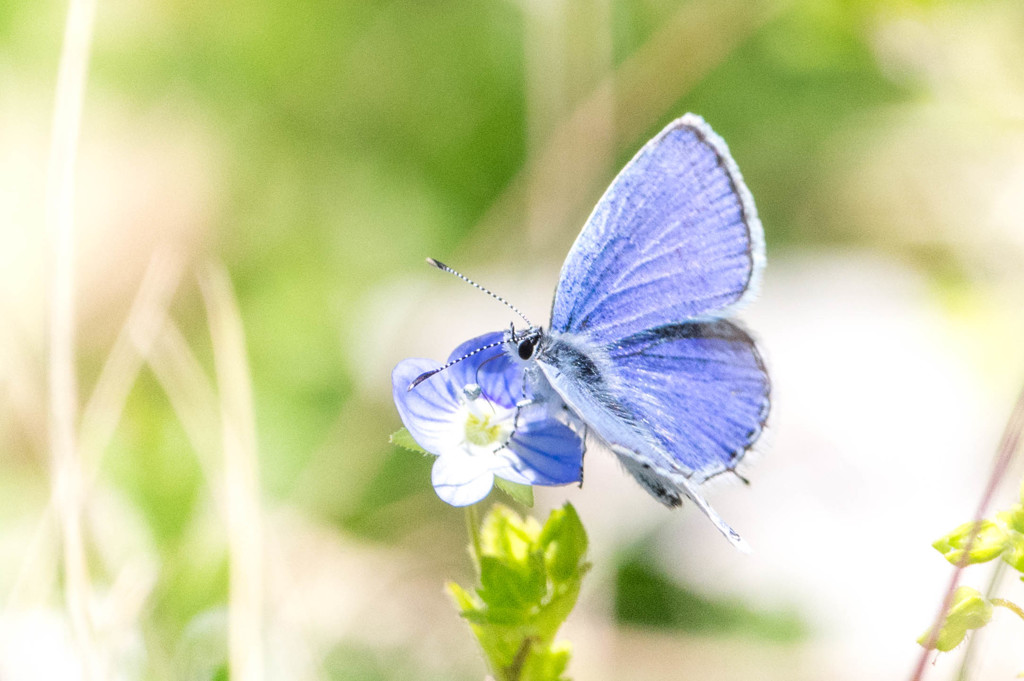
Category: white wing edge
<point>754,227</point>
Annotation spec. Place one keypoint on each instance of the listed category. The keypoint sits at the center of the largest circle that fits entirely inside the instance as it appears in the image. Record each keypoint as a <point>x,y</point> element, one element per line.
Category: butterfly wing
<point>675,237</point>
<point>700,389</point>
<point>677,404</point>
<point>637,348</point>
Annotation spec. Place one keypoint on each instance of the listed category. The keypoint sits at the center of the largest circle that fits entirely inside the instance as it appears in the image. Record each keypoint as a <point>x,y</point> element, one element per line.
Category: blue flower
<point>466,415</point>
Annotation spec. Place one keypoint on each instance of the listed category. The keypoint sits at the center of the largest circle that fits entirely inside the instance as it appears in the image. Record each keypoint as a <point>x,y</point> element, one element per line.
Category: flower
<point>467,416</point>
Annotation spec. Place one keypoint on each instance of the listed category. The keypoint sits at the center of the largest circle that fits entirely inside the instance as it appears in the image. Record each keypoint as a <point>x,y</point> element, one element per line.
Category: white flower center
<point>485,426</point>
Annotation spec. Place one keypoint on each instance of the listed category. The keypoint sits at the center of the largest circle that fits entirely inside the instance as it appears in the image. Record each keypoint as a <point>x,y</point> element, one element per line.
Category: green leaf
<point>990,541</point>
<point>1013,518</point>
<point>547,664</point>
<point>564,542</point>
<point>511,585</point>
<point>646,596</point>
<point>404,439</point>
<point>969,610</point>
<point>464,599</point>
<point>506,535</point>
<point>519,493</point>
<point>530,578</point>
<point>1014,555</point>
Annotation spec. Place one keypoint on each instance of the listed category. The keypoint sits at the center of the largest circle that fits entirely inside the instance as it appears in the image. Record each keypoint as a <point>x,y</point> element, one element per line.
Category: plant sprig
<point>530,578</point>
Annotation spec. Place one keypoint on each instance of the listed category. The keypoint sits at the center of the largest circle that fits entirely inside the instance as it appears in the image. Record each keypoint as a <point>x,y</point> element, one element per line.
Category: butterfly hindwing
<point>677,404</point>
<point>700,389</point>
<point>675,237</point>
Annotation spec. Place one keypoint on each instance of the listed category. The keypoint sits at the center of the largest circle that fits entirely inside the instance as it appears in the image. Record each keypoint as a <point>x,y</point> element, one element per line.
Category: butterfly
<point>640,350</point>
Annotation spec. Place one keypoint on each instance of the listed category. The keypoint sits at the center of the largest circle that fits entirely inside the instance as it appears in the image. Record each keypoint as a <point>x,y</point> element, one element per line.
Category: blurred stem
<point>972,641</point>
<point>1007,448</point>
<point>1009,605</point>
<point>473,527</point>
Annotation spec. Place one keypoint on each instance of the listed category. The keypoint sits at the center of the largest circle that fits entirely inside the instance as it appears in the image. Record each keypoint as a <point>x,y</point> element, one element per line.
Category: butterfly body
<point>568,369</point>
<point>584,378</point>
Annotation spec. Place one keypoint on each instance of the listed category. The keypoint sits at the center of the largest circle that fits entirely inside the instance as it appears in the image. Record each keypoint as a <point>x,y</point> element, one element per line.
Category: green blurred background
<point>279,170</point>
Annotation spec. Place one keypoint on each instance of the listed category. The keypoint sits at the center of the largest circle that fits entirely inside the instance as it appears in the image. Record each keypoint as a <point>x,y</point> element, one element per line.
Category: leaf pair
<point>973,543</point>
<point>1003,537</point>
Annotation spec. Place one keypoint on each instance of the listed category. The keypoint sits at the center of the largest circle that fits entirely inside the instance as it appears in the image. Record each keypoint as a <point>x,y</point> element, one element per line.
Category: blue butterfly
<point>639,350</point>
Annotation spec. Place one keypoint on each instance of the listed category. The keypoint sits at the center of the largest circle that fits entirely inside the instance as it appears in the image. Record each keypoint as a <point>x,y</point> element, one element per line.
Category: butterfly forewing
<point>674,238</point>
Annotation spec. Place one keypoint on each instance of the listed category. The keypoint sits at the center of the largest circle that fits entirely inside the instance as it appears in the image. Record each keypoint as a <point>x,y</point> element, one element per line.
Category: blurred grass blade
<point>641,91</point>
<point>134,343</point>
<point>241,477</point>
<point>191,396</point>
<point>63,385</point>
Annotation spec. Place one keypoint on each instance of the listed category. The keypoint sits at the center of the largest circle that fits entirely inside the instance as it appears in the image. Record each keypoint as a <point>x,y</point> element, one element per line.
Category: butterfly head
<point>527,346</point>
<point>521,344</point>
<point>525,342</point>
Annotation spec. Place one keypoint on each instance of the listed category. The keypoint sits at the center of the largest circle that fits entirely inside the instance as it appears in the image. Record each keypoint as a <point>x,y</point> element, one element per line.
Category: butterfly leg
<point>536,394</point>
<point>528,400</point>
<point>669,490</point>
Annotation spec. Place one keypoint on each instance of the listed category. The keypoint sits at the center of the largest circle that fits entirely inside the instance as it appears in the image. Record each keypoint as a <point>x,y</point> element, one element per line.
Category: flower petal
<point>460,479</point>
<point>544,452</point>
<point>493,369</point>
<point>429,409</point>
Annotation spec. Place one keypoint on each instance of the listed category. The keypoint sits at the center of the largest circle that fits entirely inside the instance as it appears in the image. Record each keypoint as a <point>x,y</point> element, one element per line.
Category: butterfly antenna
<point>441,266</point>
<point>424,376</point>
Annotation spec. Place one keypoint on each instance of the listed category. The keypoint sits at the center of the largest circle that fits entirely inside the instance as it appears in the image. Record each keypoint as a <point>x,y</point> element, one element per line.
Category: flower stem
<point>1009,605</point>
<point>473,527</point>
<point>515,670</point>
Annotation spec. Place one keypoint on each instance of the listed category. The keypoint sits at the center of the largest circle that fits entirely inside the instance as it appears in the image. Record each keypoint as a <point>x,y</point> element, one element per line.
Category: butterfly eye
<point>526,347</point>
